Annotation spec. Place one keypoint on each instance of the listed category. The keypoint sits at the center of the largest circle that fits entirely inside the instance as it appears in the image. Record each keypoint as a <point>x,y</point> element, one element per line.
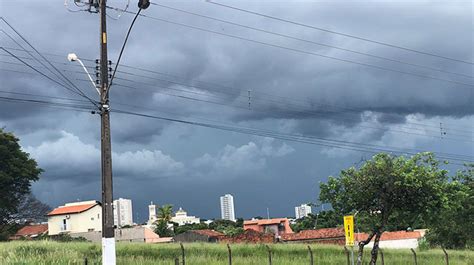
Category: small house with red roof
<point>76,217</point>
<point>276,226</point>
<point>30,231</point>
<point>323,236</point>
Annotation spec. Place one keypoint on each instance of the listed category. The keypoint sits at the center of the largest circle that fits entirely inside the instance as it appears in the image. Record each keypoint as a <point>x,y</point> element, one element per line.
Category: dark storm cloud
<point>298,93</point>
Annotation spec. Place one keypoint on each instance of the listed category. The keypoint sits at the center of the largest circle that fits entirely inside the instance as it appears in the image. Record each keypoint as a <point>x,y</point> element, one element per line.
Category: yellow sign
<point>349,229</point>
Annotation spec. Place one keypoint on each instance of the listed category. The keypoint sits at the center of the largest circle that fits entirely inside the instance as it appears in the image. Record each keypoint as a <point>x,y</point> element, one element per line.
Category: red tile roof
<point>396,235</point>
<point>208,232</point>
<point>325,233</point>
<point>265,221</point>
<point>71,209</point>
<point>31,230</point>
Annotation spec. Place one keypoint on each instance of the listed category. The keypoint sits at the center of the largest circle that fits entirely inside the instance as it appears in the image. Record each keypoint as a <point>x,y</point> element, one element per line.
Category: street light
<point>72,57</point>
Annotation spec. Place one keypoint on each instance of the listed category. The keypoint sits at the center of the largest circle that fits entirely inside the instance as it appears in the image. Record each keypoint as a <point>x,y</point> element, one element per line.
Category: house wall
<point>90,220</point>
<point>189,236</point>
<point>401,243</point>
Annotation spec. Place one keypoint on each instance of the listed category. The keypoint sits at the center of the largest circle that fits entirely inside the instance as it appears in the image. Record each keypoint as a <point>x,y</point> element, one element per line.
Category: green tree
<point>324,219</point>
<point>187,227</point>
<point>387,186</point>
<point>17,172</point>
<point>453,226</point>
<point>165,213</point>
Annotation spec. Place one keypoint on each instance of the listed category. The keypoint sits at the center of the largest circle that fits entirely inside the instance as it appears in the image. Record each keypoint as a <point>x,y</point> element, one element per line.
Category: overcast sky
<point>291,92</point>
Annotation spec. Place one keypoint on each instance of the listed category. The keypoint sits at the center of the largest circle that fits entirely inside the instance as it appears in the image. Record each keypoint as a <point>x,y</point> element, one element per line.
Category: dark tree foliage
<point>453,228</point>
<point>187,227</point>
<point>228,227</point>
<point>324,219</point>
<point>387,190</point>
<point>17,172</point>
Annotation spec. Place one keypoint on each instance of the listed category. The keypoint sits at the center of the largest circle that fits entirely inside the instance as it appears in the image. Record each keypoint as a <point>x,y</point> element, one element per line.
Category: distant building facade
<point>123,214</point>
<point>276,226</point>
<point>75,217</point>
<point>181,218</point>
<point>227,207</point>
<point>302,211</point>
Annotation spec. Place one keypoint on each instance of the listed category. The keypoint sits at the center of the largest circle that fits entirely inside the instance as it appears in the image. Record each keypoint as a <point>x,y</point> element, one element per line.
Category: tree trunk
<point>361,247</point>
<point>375,249</point>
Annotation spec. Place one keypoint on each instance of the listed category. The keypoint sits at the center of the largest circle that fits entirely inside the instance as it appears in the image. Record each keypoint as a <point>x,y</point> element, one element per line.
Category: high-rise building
<point>227,207</point>
<point>123,214</point>
<point>302,211</point>
<point>152,213</point>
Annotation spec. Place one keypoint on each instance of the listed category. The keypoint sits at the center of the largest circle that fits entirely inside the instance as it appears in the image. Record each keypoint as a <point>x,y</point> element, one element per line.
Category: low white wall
<point>401,243</point>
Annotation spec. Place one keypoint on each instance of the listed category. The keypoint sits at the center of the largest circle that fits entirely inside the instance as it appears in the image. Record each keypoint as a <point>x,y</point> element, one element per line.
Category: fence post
<point>311,261</point>
<point>176,261</point>
<point>269,255</point>
<point>347,255</point>
<point>381,256</point>
<point>183,256</point>
<point>414,256</point>
<point>446,256</point>
<point>230,254</point>
<point>85,261</point>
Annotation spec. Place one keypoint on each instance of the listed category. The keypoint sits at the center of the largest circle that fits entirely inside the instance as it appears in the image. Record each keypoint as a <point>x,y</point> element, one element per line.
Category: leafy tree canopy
<point>17,172</point>
<point>388,189</point>
<point>453,226</point>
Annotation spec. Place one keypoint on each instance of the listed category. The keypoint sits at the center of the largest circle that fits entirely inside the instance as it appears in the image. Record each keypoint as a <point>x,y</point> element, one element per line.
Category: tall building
<point>123,213</point>
<point>302,211</point>
<point>227,207</point>
<point>152,213</point>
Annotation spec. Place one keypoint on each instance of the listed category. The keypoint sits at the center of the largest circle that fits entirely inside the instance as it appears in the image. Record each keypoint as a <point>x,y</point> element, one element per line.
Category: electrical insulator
<point>143,4</point>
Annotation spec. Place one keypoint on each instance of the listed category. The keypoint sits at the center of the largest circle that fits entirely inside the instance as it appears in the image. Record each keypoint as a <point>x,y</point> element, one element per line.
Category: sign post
<point>349,231</point>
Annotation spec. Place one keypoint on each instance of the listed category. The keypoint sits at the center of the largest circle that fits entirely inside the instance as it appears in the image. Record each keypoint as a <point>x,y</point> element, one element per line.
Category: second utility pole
<point>108,233</point>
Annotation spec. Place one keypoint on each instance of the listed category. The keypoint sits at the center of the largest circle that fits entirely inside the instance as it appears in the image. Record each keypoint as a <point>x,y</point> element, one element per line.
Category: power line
<point>340,33</point>
<point>313,42</point>
<point>266,96</point>
<point>292,108</point>
<point>302,51</point>
<point>123,46</point>
<point>293,114</point>
<point>44,58</point>
<point>362,147</point>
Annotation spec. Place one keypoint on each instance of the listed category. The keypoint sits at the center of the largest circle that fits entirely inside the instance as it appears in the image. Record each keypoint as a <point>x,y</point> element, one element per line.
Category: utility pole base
<point>108,251</point>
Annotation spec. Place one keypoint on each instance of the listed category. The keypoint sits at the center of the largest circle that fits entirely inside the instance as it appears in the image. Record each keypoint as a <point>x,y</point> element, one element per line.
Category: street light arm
<point>90,77</point>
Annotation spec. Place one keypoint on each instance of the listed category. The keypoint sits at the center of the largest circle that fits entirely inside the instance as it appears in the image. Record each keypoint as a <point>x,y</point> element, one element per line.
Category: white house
<point>76,217</point>
<point>181,218</point>
<point>396,239</point>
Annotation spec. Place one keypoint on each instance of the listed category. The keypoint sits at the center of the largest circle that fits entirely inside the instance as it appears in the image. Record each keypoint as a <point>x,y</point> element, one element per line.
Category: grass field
<point>48,252</point>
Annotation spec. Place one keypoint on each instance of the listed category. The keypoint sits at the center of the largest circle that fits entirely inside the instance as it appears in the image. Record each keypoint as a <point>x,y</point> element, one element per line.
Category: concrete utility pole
<point>108,233</point>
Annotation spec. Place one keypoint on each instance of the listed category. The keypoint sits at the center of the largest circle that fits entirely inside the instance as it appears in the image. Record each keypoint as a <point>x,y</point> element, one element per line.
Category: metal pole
<point>108,234</point>
<point>311,260</point>
<point>414,256</point>
<point>183,256</point>
<point>230,254</point>
<point>347,255</point>
<point>269,255</point>
<point>352,255</point>
<point>381,256</point>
